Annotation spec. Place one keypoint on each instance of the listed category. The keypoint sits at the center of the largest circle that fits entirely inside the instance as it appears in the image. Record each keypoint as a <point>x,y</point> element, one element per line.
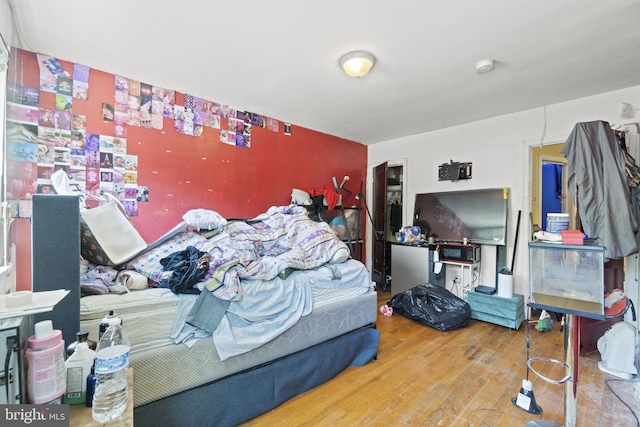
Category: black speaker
<point>55,258</point>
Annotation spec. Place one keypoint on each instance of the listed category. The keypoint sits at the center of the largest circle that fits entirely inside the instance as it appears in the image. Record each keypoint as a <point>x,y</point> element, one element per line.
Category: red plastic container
<point>572,237</point>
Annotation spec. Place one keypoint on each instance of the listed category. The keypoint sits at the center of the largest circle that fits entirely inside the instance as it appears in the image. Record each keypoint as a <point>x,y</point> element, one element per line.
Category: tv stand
<point>469,278</point>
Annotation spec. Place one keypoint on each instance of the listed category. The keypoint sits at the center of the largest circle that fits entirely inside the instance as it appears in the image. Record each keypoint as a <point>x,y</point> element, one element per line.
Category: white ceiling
<point>281,58</point>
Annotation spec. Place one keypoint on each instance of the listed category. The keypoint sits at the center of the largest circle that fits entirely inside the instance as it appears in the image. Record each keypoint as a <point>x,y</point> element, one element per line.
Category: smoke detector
<point>485,66</point>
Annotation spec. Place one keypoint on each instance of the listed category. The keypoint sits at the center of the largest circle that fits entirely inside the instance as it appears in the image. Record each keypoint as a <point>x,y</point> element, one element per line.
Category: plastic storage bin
<point>567,279</point>
<point>556,222</point>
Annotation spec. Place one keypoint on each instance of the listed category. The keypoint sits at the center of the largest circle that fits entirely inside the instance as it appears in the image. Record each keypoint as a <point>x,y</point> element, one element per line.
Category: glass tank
<point>567,279</point>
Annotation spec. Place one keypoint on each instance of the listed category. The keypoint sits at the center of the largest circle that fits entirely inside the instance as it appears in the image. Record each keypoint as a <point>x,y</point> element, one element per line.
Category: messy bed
<point>237,320</point>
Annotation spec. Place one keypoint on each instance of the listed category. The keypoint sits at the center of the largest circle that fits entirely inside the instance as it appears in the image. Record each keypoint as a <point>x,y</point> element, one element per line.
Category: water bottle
<point>111,363</point>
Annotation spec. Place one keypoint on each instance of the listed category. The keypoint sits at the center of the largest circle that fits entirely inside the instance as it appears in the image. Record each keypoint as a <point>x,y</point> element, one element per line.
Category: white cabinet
<point>412,265</point>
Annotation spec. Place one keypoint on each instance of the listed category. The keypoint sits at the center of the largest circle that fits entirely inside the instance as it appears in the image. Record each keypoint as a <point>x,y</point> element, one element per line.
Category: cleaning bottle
<point>91,386</point>
<point>78,368</point>
<point>83,336</point>
<point>46,381</point>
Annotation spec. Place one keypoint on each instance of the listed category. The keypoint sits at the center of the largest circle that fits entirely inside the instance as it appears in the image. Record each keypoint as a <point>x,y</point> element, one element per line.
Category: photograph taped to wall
<point>63,138</point>
<point>62,120</point>
<point>131,207</point>
<point>64,102</point>
<point>80,90</point>
<point>121,84</point>
<point>108,112</point>
<point>14,93</point>
<point>49,64</point>
<point>48,82</point>
<point>79,122</point>
<point>45,171</point>
<point>198,117</point>
<point>120,130</point>
<point>65,86</point>
<point>168,100</point>
<point>106,143</point>
<point>130,192</point>
<point>131,162</point>
<point>142,193</point>
<point>45,154</point>
<point>46,189</point>
<point>106,160</point>
<point>46,118</point>
<point>22,132</point>
<point>134,87</point>
<point>81,74</point>
<point>22,113</point>
<point>119,145</point>
<point>157,121</point>
<point>30,96</point>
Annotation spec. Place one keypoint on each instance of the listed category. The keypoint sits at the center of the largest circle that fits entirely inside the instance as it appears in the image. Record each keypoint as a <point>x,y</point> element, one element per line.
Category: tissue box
<point>572,237</point>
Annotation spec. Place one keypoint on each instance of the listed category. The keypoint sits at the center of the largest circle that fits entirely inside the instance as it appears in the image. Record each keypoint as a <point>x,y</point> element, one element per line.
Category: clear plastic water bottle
<point>111,363</point>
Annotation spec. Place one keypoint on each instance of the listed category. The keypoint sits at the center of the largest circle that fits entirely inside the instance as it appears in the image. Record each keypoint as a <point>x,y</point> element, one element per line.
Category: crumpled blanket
<point>284,237</point>
<point>97,280</point>
<point>268,307</point>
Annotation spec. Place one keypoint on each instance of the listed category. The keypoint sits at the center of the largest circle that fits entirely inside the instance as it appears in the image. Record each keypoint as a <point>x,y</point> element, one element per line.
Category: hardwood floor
<point>466,377</point>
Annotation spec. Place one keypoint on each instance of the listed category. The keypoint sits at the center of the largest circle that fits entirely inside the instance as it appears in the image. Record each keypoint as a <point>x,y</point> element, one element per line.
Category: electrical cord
<point>607,381</point>
<point>11,347</point>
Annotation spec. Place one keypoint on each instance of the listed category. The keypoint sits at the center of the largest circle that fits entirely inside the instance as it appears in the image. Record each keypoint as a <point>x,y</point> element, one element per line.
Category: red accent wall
<point>184,172</point>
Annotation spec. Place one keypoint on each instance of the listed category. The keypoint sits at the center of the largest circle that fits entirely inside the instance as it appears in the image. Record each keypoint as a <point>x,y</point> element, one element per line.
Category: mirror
<point>5,218</point>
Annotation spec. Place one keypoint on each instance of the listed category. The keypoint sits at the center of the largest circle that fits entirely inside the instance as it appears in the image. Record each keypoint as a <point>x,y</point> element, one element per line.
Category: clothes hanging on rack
<point>395,217</point>
<point>608,208</point>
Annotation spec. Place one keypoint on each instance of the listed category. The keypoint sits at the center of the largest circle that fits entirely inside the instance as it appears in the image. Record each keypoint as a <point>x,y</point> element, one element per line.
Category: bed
<point>297,311</point>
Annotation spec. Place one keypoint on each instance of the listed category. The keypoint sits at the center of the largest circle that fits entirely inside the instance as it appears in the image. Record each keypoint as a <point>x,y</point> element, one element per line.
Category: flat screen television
<point>480,216</point>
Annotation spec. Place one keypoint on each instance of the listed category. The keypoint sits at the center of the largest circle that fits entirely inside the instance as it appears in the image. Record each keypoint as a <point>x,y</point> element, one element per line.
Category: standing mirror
<point>4,215</point>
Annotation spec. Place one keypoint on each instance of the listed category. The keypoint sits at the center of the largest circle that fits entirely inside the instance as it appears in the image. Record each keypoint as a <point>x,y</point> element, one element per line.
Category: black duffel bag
<point>433,306</point>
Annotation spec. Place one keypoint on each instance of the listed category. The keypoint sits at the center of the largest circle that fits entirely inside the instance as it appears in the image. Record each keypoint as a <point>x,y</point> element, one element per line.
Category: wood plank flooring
<point>466,377</point>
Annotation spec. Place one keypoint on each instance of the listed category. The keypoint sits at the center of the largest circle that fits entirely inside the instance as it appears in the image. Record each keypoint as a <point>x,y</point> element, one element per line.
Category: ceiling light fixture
<point>485,66</point>
<point>357,64</point>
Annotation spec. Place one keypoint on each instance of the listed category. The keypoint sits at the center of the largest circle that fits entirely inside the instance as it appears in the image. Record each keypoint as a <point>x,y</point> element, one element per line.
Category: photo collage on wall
<point>41,141</point>
<point>143,105</point>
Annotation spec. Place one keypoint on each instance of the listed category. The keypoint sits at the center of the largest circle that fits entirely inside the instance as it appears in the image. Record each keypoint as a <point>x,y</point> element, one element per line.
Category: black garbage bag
<point>433,306</point>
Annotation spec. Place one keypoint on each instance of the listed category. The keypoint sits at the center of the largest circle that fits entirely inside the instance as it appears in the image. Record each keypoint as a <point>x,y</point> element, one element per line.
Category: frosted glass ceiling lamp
<point>357,64</point>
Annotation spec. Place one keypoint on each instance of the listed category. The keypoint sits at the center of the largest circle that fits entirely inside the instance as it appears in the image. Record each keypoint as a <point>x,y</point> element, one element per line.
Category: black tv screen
<point>480,216</point>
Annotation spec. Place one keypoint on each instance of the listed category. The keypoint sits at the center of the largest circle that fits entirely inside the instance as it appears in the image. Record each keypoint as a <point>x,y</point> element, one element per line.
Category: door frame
<point>538,156</point>
<point>567,200</point>
<point>390,163</point>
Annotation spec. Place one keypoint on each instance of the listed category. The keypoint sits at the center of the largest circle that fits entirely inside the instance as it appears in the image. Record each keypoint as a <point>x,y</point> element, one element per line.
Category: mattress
<point>163,371</point>
<point>147,316</point>
<point>343,300</point>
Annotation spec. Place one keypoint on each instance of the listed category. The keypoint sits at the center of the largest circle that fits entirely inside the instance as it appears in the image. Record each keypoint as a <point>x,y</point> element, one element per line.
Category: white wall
<point>499,148</point>
<point>6,26</point>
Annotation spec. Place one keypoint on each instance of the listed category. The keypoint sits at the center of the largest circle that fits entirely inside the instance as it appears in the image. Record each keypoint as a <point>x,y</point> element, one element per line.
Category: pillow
<point>203,219</point>
<point>300,197</point>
